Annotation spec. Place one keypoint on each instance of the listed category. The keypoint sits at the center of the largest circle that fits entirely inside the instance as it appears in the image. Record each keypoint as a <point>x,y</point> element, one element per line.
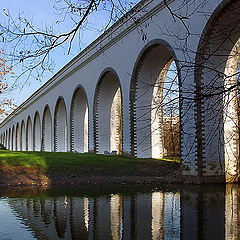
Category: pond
<point>170,212</point>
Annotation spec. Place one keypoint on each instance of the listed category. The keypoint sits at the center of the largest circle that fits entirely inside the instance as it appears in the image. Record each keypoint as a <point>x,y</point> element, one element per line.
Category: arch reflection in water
<point>203,212</point>
<point>194,212</point>
<point>232,214</point>
<point>114,216</point>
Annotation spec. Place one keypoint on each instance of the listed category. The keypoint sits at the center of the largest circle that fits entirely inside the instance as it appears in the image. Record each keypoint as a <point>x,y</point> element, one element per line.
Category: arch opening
<point>47,130</point>
<point>60,127</point>
<point>37,133</point>
<point>13,139</point>
<point>6,140</point>
<point>29,138</point>
<point>17,138</point>
<point>23,137</point>
<point>79,122</point>
<point>155,101</point>
<point>108,115</point>
<point>9,140</point>
<point>217,75</point>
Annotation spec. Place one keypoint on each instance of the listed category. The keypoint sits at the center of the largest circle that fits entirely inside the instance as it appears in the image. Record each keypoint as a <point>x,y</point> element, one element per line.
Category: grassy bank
<point>74,165</point>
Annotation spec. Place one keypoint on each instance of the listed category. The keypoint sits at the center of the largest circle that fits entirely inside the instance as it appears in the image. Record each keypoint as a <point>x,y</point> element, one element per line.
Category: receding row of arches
<point>29,136</point>
<point>36,134</point>
<point>154,113</point>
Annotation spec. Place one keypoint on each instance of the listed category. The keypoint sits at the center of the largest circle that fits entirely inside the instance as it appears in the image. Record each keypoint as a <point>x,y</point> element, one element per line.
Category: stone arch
<point>18,137</point>
<point>47,130</point>
<point>149,110</point>
<point>217,108</point>
<point>79,121</point>
<point>60,216</point>
<point>23,137</point>
<point>108,132</point>
<point>9,139</point>
<point>60,126</point>
<point>79,208</point>
<point>37,133</point>
<point>13,139</point>
<point>29,135</point>
<point>6,139</point>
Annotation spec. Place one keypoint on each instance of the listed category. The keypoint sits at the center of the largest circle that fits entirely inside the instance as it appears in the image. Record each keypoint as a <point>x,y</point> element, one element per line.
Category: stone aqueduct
<point>110,96</point>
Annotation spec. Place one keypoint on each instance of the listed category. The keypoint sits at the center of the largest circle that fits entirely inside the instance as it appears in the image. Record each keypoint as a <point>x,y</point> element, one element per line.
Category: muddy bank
<point>20,176</point>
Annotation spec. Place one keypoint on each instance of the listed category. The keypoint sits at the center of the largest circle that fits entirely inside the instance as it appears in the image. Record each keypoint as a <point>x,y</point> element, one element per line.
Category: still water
<point>172,212</point>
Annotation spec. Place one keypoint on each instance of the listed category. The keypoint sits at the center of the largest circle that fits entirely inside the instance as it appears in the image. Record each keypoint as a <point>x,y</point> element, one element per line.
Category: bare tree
<point>6,103</point>
<point>32,45</point>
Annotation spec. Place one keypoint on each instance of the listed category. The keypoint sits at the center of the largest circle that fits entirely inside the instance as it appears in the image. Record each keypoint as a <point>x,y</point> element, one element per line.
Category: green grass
<point>76,164</point>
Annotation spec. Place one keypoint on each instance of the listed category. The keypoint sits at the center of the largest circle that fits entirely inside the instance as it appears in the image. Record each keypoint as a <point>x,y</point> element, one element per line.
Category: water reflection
<point>186,213</point>
<point>232,213</point>
<point>202,213</point>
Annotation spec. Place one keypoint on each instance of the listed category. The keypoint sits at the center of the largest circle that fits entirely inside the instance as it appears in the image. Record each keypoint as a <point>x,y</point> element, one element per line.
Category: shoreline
<point>14,179</point>
<point>76,169</point>
<point>67,168</point>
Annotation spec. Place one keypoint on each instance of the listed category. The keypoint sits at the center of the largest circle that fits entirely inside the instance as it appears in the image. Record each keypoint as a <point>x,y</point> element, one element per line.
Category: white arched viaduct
<point>113,95</point>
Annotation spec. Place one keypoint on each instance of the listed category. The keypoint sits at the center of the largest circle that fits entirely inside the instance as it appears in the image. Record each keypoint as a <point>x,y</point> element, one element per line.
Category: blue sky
<point>42,13</point>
